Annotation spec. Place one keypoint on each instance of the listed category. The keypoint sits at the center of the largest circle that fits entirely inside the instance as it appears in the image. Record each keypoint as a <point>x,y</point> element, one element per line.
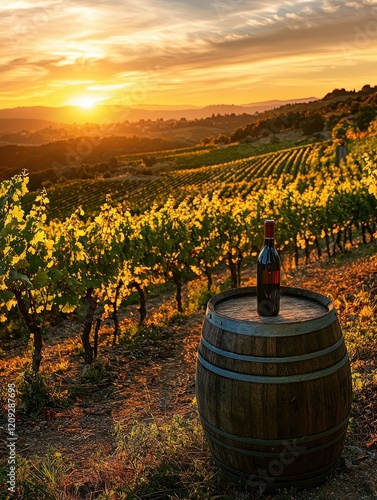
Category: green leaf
<point>14,275</point>
<point>72,281</point>
<point>56,275</point>
<point>6,295</point>
<point>149,260</point>
<point>41,280</point>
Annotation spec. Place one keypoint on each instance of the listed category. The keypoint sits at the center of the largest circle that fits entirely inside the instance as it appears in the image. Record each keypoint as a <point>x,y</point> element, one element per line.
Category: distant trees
<point>344,114</point>
<point>364,116</point>
<point>265,126</point>
<point>79,158</point>
<point>309,122</point>
<point>149,161</point>
<point>337,93</point>
<point>312,124</point>
<point>216,140</point>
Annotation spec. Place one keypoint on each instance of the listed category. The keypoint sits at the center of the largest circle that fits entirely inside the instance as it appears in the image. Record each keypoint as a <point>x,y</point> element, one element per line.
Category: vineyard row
<point>240,177</point>
<point>52,268</point>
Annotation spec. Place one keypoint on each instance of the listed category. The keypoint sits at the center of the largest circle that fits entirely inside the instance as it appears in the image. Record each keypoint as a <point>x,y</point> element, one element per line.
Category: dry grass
<point>129,428</point>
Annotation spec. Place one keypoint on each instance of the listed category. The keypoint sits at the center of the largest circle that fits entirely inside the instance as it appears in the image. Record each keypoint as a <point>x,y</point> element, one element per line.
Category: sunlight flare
<point>85,102</point>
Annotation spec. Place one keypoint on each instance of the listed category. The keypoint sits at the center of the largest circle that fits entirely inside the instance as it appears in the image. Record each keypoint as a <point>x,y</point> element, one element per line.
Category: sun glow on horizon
<point>84,102</point>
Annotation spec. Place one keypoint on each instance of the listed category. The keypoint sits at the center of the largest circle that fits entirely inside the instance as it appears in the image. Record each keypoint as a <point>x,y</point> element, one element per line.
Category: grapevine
<point>50,267</point>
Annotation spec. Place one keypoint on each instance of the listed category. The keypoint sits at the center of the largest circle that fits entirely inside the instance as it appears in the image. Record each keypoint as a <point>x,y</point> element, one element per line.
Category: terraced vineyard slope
<point>240,176</point>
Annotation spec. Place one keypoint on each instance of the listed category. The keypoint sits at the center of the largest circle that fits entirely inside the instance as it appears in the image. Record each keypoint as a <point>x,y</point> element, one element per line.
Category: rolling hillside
<point>194,173</point>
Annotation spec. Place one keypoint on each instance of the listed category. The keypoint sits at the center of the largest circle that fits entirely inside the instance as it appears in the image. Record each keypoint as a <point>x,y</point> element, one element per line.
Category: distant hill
<point>62,115</point>
<point>265,106</point>
<point>14,125</point>
<point>75,151</point>
<point>114,114</point>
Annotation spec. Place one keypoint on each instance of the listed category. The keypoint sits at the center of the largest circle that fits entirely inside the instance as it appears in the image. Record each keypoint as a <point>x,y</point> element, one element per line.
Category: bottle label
<point>270,277</point>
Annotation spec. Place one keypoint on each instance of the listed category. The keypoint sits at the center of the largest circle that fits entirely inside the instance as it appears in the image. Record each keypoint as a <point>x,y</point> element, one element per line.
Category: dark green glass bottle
<point>268,274</point>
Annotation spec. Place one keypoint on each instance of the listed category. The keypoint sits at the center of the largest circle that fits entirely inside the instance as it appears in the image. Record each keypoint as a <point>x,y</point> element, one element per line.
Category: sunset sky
<point>182,52</point>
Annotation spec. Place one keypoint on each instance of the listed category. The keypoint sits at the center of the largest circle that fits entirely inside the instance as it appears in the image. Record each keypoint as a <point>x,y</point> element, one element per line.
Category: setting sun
<point>85,102</point>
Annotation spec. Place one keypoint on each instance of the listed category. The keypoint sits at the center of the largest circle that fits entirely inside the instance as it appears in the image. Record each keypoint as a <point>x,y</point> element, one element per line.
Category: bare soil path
<point>155,379</point>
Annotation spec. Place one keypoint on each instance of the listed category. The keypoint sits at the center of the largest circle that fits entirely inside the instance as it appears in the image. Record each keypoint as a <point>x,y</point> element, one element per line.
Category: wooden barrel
<point>274,394</point>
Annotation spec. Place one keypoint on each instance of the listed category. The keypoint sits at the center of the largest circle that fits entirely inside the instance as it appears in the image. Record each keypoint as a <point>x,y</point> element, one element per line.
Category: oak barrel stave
<point>274,398</point>
<point>310,352</point>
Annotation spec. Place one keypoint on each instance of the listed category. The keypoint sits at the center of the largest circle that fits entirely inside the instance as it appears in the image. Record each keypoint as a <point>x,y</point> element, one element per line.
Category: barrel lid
<point>301,311</point>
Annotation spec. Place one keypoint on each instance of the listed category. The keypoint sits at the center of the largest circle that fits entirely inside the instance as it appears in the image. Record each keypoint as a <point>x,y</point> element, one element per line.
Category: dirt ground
<point>156,379</point>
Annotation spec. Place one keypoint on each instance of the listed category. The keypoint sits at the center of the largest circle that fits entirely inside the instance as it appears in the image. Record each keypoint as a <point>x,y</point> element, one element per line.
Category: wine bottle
<point>268,274</point>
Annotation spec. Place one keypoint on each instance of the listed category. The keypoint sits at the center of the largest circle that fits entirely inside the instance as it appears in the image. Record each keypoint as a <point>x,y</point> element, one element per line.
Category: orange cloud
<point>181,51</point>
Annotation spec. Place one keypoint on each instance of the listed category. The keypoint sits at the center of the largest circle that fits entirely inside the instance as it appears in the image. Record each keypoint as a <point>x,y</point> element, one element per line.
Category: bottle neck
<point>269,242</point>
<point>269,229</point>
